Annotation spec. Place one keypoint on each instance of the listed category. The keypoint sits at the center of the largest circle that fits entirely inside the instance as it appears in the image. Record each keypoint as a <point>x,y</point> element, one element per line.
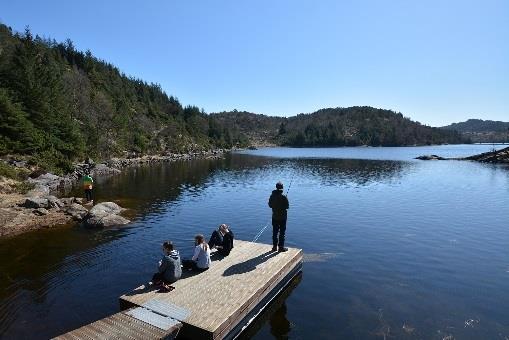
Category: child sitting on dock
<point>222,240</point>
<point>201,258</point>
<point>170,269</point>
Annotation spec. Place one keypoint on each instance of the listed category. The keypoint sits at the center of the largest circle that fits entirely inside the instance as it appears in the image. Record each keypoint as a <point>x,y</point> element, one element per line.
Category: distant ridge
<point>482,131</point>
<point>352,126</point>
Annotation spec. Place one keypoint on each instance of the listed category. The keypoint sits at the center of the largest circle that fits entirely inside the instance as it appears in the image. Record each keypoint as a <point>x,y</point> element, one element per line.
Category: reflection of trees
<point>358,172</point>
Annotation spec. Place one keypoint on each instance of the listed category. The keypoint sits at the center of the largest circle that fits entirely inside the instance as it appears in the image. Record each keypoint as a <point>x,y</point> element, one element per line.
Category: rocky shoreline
<point>39,208</point>
<point>494,157</point>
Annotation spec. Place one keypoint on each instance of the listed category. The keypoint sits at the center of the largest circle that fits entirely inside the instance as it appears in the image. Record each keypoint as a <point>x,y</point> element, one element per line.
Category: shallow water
<point>394,247</point>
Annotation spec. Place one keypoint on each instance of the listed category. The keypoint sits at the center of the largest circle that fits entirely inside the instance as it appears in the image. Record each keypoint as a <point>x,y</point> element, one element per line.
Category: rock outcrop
<point>104,214</point>
<point>430,158</point>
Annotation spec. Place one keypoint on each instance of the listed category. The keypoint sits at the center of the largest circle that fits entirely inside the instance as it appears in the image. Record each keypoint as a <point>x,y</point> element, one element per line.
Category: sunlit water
<point>394,247</point>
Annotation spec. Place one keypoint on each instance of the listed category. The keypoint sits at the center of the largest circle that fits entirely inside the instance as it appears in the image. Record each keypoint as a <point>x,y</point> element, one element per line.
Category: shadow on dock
<point>249,265</point>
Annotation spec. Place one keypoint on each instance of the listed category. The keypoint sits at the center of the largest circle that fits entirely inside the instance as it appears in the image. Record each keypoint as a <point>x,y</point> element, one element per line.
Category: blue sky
<point>435,61</point>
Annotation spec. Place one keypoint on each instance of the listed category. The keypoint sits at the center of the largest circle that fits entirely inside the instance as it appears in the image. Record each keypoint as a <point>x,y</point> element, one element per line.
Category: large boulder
<point>106,207</point>
<point>38,191</point>
<point>77,211</point>
<point>105,214</point>
<point>103,220</point>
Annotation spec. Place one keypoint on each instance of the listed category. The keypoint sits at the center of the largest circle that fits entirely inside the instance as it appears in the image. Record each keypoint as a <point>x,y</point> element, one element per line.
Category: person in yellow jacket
<point>88,183</point>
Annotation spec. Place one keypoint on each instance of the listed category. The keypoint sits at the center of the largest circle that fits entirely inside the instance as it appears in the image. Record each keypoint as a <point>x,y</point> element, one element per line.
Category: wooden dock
<point>216,304</point>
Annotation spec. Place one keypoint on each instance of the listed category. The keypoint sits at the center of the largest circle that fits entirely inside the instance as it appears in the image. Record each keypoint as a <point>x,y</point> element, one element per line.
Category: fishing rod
<point>270,219</point>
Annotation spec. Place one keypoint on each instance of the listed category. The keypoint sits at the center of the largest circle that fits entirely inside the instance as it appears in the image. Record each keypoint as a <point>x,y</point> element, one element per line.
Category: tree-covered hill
<point>58,104</point>
<point>257,128</point>
<point>360,125</point>
<point>482,131</point>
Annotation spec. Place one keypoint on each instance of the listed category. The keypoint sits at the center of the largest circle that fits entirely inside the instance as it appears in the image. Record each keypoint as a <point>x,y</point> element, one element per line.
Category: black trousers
<point>190,264</point>
<point>278,227</point>
<point>88,194</point>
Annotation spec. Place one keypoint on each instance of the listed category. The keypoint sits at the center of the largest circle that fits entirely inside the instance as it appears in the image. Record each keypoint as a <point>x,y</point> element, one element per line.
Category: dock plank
<point>118,326</point>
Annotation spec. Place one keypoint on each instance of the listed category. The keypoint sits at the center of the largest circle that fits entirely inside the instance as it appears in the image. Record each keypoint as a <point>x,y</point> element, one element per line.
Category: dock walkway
<point>218,303</point>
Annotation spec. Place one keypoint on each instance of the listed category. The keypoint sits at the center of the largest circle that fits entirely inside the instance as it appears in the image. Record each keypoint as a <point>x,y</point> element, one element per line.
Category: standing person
<point>87,186</point>
<point>169,269</point>
<point>201,258</point>
<point>279,204</point>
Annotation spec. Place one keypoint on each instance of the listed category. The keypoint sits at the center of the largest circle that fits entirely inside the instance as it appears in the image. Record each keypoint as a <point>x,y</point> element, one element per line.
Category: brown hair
<point>200,239</point>
<point>168,245</point>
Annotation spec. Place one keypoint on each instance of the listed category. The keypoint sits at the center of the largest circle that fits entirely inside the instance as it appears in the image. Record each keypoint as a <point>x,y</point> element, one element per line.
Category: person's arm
<point>163,264</point>
<point>270,201</point>
<point>287,204</point>
<point>196,253</point>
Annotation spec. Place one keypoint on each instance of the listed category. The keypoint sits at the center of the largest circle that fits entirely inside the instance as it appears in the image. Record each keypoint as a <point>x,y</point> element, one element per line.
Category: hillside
<point>58,104</point>
<point>360,125</point>
<point>482,131</point>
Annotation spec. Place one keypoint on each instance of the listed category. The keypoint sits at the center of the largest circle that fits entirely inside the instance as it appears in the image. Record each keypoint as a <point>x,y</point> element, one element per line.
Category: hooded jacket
<point>279,204</point>
<point>170,267</point>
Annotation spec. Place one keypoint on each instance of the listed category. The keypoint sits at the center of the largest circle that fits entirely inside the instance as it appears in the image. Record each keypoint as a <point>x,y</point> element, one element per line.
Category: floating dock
<point>216,304</point>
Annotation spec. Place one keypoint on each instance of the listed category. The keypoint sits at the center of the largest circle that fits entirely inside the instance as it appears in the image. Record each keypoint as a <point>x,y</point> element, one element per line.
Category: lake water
<point>394,247</point>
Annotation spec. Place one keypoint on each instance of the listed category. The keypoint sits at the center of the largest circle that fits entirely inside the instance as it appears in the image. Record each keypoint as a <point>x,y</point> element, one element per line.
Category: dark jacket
<point>279,204</point>
<point>225,241</point>
<point>169,267</point>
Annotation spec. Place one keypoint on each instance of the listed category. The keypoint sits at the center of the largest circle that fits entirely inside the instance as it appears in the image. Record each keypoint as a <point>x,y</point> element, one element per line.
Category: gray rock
<point>41,212</point>
<point>78,200</point>
<point>106,208</point>
<point>35,203</point>
<point>430,158</point>
<point>103,220</point>
<point>67,201</point>
<point>38,191</point>
<point>54,202</point>
<point>53,182</point>
<point>103,169</point>
<point>78,212</point>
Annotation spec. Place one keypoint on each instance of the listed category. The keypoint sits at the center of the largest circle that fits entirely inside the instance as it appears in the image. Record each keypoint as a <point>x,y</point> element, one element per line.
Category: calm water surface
<point>394,247</point>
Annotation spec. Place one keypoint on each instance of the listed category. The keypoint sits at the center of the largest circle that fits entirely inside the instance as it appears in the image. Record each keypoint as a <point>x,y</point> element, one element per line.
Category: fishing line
<point>270,219</point>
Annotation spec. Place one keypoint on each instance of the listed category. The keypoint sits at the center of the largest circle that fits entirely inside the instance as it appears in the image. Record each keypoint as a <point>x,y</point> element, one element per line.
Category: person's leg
<point>282,232</point>
<point>157,278</point>
<point>275,230</point>
<point>187,264</point>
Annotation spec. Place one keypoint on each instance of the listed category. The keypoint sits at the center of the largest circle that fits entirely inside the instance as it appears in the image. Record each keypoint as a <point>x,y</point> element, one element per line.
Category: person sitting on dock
<point>279,204</point>
<point>201,258</point>
<point>222,240</point>
<point>170,269</point>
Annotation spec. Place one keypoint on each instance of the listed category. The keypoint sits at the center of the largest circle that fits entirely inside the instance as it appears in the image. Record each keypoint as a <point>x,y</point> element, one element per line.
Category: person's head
<point>200,240</point>
<point>168,247</point>
<point>279,186</point>
<point>223,228</point>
